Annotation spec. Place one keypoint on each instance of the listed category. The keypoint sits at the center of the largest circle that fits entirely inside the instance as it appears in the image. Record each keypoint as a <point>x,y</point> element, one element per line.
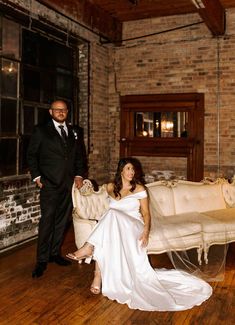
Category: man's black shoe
<point>59,260</point>
<point>39,269</point>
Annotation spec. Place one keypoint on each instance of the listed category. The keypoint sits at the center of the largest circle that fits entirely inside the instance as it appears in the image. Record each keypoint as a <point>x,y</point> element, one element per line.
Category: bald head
<point>59,111</point>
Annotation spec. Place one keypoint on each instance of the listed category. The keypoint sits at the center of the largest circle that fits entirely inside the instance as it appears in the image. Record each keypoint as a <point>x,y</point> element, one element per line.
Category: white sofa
<point>185,214</point>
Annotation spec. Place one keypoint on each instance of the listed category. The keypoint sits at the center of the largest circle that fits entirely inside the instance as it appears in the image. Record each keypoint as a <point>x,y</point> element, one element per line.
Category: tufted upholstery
<point>163,198</point>
<point>192,196</point>
<point>90,204</point>
<point>191,214</point>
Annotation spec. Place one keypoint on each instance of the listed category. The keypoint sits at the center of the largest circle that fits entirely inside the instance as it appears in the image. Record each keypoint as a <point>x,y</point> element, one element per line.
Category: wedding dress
<point>127,275</point>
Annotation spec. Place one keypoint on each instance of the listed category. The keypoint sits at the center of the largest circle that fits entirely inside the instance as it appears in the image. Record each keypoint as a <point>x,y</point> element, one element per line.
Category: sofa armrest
<point>229,194</point>
<point>89,204</point>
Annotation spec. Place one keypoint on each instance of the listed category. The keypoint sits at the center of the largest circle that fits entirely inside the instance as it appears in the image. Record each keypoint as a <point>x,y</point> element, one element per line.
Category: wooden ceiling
<point>126,10</point>
<point>107,16</point>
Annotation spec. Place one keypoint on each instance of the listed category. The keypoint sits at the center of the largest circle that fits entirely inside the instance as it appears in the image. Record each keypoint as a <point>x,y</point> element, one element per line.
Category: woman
<point>118,244</point>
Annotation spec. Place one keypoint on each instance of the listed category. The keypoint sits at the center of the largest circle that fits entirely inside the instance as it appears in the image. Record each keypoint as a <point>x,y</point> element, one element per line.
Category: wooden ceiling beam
<point>213,15</point>
<point>90,15</point>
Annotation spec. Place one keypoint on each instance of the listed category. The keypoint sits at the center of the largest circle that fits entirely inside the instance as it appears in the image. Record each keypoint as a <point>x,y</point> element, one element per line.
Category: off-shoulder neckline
<point>126,195</point>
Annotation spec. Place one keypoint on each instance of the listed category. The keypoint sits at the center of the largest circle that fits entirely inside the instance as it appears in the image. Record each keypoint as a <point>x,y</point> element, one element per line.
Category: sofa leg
<point>206,250</point>
<point>199,255</point>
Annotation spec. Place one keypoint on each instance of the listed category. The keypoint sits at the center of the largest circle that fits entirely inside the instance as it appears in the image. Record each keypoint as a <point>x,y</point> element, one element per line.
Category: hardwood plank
<point>62,295</point>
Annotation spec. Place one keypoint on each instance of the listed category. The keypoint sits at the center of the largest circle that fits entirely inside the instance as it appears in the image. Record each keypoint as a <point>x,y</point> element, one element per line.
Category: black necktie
<point>63,133</point>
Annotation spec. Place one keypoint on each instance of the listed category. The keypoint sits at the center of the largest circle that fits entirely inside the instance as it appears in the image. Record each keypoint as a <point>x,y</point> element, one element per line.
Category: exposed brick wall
<point>186,60</point>
<point>19,211</point>
<point>99,151</point>
<point>83,96</point>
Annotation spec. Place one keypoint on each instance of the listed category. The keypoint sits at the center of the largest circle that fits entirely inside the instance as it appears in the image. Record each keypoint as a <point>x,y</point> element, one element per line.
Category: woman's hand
<point>144,208</point>
<point>144,238</point>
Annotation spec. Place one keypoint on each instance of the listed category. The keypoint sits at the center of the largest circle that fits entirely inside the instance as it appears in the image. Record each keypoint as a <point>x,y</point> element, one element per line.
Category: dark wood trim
<point>191,147</point>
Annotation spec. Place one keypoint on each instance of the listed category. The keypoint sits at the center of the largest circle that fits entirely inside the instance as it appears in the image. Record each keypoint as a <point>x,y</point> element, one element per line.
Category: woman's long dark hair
<point>137,179</point>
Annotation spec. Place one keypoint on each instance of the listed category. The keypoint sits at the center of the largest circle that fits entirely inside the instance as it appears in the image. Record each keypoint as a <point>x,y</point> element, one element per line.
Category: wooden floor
<point>62,296</point>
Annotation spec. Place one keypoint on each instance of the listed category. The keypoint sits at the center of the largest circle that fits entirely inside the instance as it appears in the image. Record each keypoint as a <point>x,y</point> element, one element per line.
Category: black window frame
<point>21,137</point>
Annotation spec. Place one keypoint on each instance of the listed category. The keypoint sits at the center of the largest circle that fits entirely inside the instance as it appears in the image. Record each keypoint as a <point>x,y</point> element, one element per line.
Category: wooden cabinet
<point>167,125</point>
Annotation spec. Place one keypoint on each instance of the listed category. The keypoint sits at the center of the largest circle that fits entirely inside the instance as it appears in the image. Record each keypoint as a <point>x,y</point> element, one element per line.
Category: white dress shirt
<point>56,124</point>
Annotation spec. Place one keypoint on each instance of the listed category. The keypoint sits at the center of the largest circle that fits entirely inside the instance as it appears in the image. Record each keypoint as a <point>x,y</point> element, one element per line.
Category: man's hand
<point>38,182</point>
<point>78,180</point>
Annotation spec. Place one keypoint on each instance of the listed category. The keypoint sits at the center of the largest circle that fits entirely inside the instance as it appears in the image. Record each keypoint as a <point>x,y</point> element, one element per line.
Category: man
<point>56,160</point>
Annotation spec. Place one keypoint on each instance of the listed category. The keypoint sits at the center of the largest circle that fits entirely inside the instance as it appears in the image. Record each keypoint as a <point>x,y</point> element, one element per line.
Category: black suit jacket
<point>49,158</point>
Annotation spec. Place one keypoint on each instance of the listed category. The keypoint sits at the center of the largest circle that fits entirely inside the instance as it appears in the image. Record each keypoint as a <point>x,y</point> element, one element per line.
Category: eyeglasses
<point>60,110</point>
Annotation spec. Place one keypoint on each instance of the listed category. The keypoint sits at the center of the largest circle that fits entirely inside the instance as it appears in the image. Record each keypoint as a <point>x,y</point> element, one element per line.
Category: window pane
<point>9,78</point>
<point>46,53</point>
<point>43,115</point>
<point>70,108</point>
<point>1,33</point>
<point>29,47</point>
<point>28,120</point>
<point>7,157</point>
<point>31,83</point>
<point>10,38</point>
<point>8,117</point>
<point>63,56</point>
<point>64,84</point>
<point>47,86</point>
<point>23,166</point>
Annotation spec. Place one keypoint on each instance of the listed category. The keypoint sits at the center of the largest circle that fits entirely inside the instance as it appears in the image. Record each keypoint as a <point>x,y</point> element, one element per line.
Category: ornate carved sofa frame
<point>191,214</point>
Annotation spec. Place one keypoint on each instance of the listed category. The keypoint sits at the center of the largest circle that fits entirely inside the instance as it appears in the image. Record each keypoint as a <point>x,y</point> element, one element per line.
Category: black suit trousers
<point>56,208</point>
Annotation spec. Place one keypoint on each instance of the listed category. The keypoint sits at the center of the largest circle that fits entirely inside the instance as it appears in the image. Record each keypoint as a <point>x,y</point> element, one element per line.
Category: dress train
<point>127,275</point>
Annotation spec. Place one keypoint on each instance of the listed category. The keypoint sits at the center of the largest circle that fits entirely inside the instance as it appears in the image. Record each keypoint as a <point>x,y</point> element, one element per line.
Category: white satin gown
<point>127,275</point>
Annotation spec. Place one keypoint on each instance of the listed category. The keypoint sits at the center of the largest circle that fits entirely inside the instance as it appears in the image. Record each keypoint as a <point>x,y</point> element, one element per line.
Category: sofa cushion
<point>219,221</point>
<point>175,232</point>
<point>198,197</point>
<point>218,228</point>
<point>178,225</point>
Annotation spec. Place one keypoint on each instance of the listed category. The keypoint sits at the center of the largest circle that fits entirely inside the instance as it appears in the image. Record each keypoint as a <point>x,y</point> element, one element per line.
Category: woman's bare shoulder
<point>140,188</point>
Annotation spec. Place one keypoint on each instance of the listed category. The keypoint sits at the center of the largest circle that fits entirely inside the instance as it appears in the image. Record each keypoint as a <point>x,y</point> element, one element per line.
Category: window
<point>9,96</point>
<point>35,69</point>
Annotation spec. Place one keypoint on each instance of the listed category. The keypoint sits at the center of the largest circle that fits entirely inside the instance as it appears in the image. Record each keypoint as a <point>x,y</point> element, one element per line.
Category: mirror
<point>165,124</point>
